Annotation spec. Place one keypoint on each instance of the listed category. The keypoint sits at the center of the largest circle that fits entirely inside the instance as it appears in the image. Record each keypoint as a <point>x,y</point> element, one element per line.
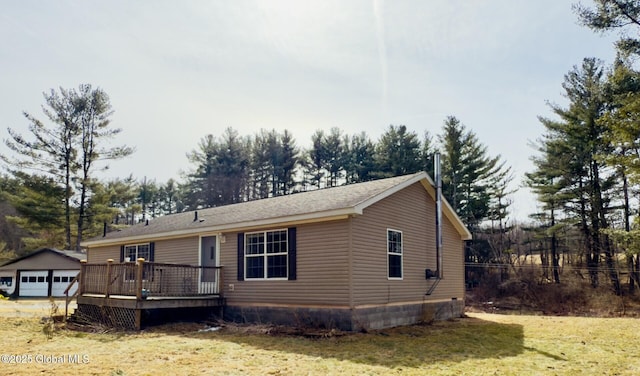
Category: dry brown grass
<point>530,292</point>
<point>483,344</point>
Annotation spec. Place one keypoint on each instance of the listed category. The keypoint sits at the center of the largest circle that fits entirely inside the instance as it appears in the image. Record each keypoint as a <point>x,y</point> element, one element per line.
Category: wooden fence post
<point>108,282</point>
<point>140,266</point>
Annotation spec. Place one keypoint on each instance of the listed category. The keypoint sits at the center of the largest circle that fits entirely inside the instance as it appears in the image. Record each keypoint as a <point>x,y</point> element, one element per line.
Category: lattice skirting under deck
<point>115,317</point>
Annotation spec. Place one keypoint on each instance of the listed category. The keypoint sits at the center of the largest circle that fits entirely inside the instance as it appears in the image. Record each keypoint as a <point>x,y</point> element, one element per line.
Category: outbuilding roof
<point>72,255</point>
<point>310,206</point>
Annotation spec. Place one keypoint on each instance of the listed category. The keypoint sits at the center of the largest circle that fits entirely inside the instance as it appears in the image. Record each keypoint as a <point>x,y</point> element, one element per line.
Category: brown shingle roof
<point>77,256</point>
<point>295,207</point>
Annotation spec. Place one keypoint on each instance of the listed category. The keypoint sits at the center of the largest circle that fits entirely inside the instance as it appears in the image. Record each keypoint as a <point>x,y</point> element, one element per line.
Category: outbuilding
<point>45,272</point>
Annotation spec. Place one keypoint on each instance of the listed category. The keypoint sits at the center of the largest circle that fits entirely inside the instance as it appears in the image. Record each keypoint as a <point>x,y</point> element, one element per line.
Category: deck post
<point>220,282</point>
<point>138,323</point>
<point>108,284</point>
<point>83,264</point>
<point>140,266</point>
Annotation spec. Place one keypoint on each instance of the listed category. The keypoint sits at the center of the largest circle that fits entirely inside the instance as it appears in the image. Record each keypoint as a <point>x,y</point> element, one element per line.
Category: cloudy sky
<point>178,70</point>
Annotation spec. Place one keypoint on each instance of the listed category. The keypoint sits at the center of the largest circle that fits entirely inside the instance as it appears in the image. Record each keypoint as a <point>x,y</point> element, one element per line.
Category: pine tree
<point>622,132</point>
<point>467,173</point>
<point>546,182</point>
<point>67,149</point>
<point>38,201</point>
<point>398,152</point>
<point>359,158</point>
<point>335,155</point>
<point>315,161</point>
<point>289,162</point>
<point>574,145</point>
<point>274,158</point>
<point>609,15</point>
<point>221,171</point>
<point>94,127</point>
<point>201,182</point>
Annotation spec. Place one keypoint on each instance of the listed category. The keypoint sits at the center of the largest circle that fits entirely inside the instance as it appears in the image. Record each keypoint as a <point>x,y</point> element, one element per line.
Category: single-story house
<point>42,273</point>
<point>359,256</point>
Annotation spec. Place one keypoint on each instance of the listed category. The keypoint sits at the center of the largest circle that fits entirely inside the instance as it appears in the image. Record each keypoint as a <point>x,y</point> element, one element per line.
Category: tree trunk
<point>81,213</point>
<point>599,222</point>
<point>627,228</point>
<point>555,257</point>
<point>637,269</point>
<point>544,260</point>
<point>611,266</point>
<point>591,251</point>
<point>67,208</point>
<point>632,274</point>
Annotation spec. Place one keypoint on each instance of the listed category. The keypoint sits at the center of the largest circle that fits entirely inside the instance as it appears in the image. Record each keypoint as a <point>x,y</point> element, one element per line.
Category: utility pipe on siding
<point>438,178</point>
<point>438,183</point>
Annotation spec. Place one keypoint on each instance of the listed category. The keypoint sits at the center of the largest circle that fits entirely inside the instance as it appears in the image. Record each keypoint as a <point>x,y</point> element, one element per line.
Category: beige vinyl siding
<point>171,251</point>
<point>99,255</point>
<point>411,211</point>
<point>452,283</point>
<point>178,251</point>
<point>322,270</point>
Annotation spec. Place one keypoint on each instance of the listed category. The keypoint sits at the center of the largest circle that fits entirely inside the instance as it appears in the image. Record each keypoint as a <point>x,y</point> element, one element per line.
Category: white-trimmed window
<point>6,281</point>
<point>265,255</point>
<point>136,251</point>
<point>394,254</point>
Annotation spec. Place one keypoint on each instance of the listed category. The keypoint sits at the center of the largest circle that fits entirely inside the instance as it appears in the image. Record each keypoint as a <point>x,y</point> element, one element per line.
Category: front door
<point>208,258</point>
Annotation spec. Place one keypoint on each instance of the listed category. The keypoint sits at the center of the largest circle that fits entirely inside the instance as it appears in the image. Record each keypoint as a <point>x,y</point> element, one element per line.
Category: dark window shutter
<point>122,253</point>
<point>241,256</point>
<point>152,251</point>
<point>292,253</point>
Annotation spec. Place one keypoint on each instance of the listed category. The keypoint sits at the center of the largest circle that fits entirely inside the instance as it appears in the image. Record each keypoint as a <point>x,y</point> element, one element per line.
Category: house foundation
<point>358,319</point>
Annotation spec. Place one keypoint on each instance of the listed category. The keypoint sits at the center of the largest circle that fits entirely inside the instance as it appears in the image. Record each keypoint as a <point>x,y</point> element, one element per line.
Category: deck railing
<point>67,298</point>
<point>149,279</point>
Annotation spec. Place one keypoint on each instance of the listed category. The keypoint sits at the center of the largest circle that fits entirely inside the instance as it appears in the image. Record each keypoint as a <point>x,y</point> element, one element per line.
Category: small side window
<point>394,254</point>
<point>7,281</point>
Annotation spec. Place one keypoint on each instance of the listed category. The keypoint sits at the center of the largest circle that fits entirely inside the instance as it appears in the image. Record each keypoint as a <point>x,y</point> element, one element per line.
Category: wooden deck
<point>131,302</point>
<point>116,294</point>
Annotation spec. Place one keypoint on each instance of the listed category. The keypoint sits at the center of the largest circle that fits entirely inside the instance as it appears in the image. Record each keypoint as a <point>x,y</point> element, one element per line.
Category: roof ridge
<point>403,178</point>
<point>311,191</point>
<point>312,205</point>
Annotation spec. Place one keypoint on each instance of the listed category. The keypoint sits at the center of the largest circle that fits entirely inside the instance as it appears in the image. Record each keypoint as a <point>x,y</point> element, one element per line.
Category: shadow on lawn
<point>410,346</point>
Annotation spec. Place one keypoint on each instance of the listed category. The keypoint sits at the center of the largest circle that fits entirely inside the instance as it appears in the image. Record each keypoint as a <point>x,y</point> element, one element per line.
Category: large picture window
<point>394,254</point>
<point>265,255</point>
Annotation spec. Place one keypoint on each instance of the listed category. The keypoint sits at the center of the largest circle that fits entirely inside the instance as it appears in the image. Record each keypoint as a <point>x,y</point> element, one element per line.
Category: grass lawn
<point>482,344</point>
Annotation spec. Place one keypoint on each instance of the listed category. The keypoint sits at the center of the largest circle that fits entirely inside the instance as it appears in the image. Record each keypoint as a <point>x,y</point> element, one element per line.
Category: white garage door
<point>34,283</point>
<point>61,279</point>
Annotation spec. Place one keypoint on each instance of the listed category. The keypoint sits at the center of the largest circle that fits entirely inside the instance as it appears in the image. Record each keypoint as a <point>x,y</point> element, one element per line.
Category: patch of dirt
<point>222,327</point>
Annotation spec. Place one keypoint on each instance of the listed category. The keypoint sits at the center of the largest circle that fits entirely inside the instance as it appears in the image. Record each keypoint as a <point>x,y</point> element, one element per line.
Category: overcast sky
<point>178,70</point>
